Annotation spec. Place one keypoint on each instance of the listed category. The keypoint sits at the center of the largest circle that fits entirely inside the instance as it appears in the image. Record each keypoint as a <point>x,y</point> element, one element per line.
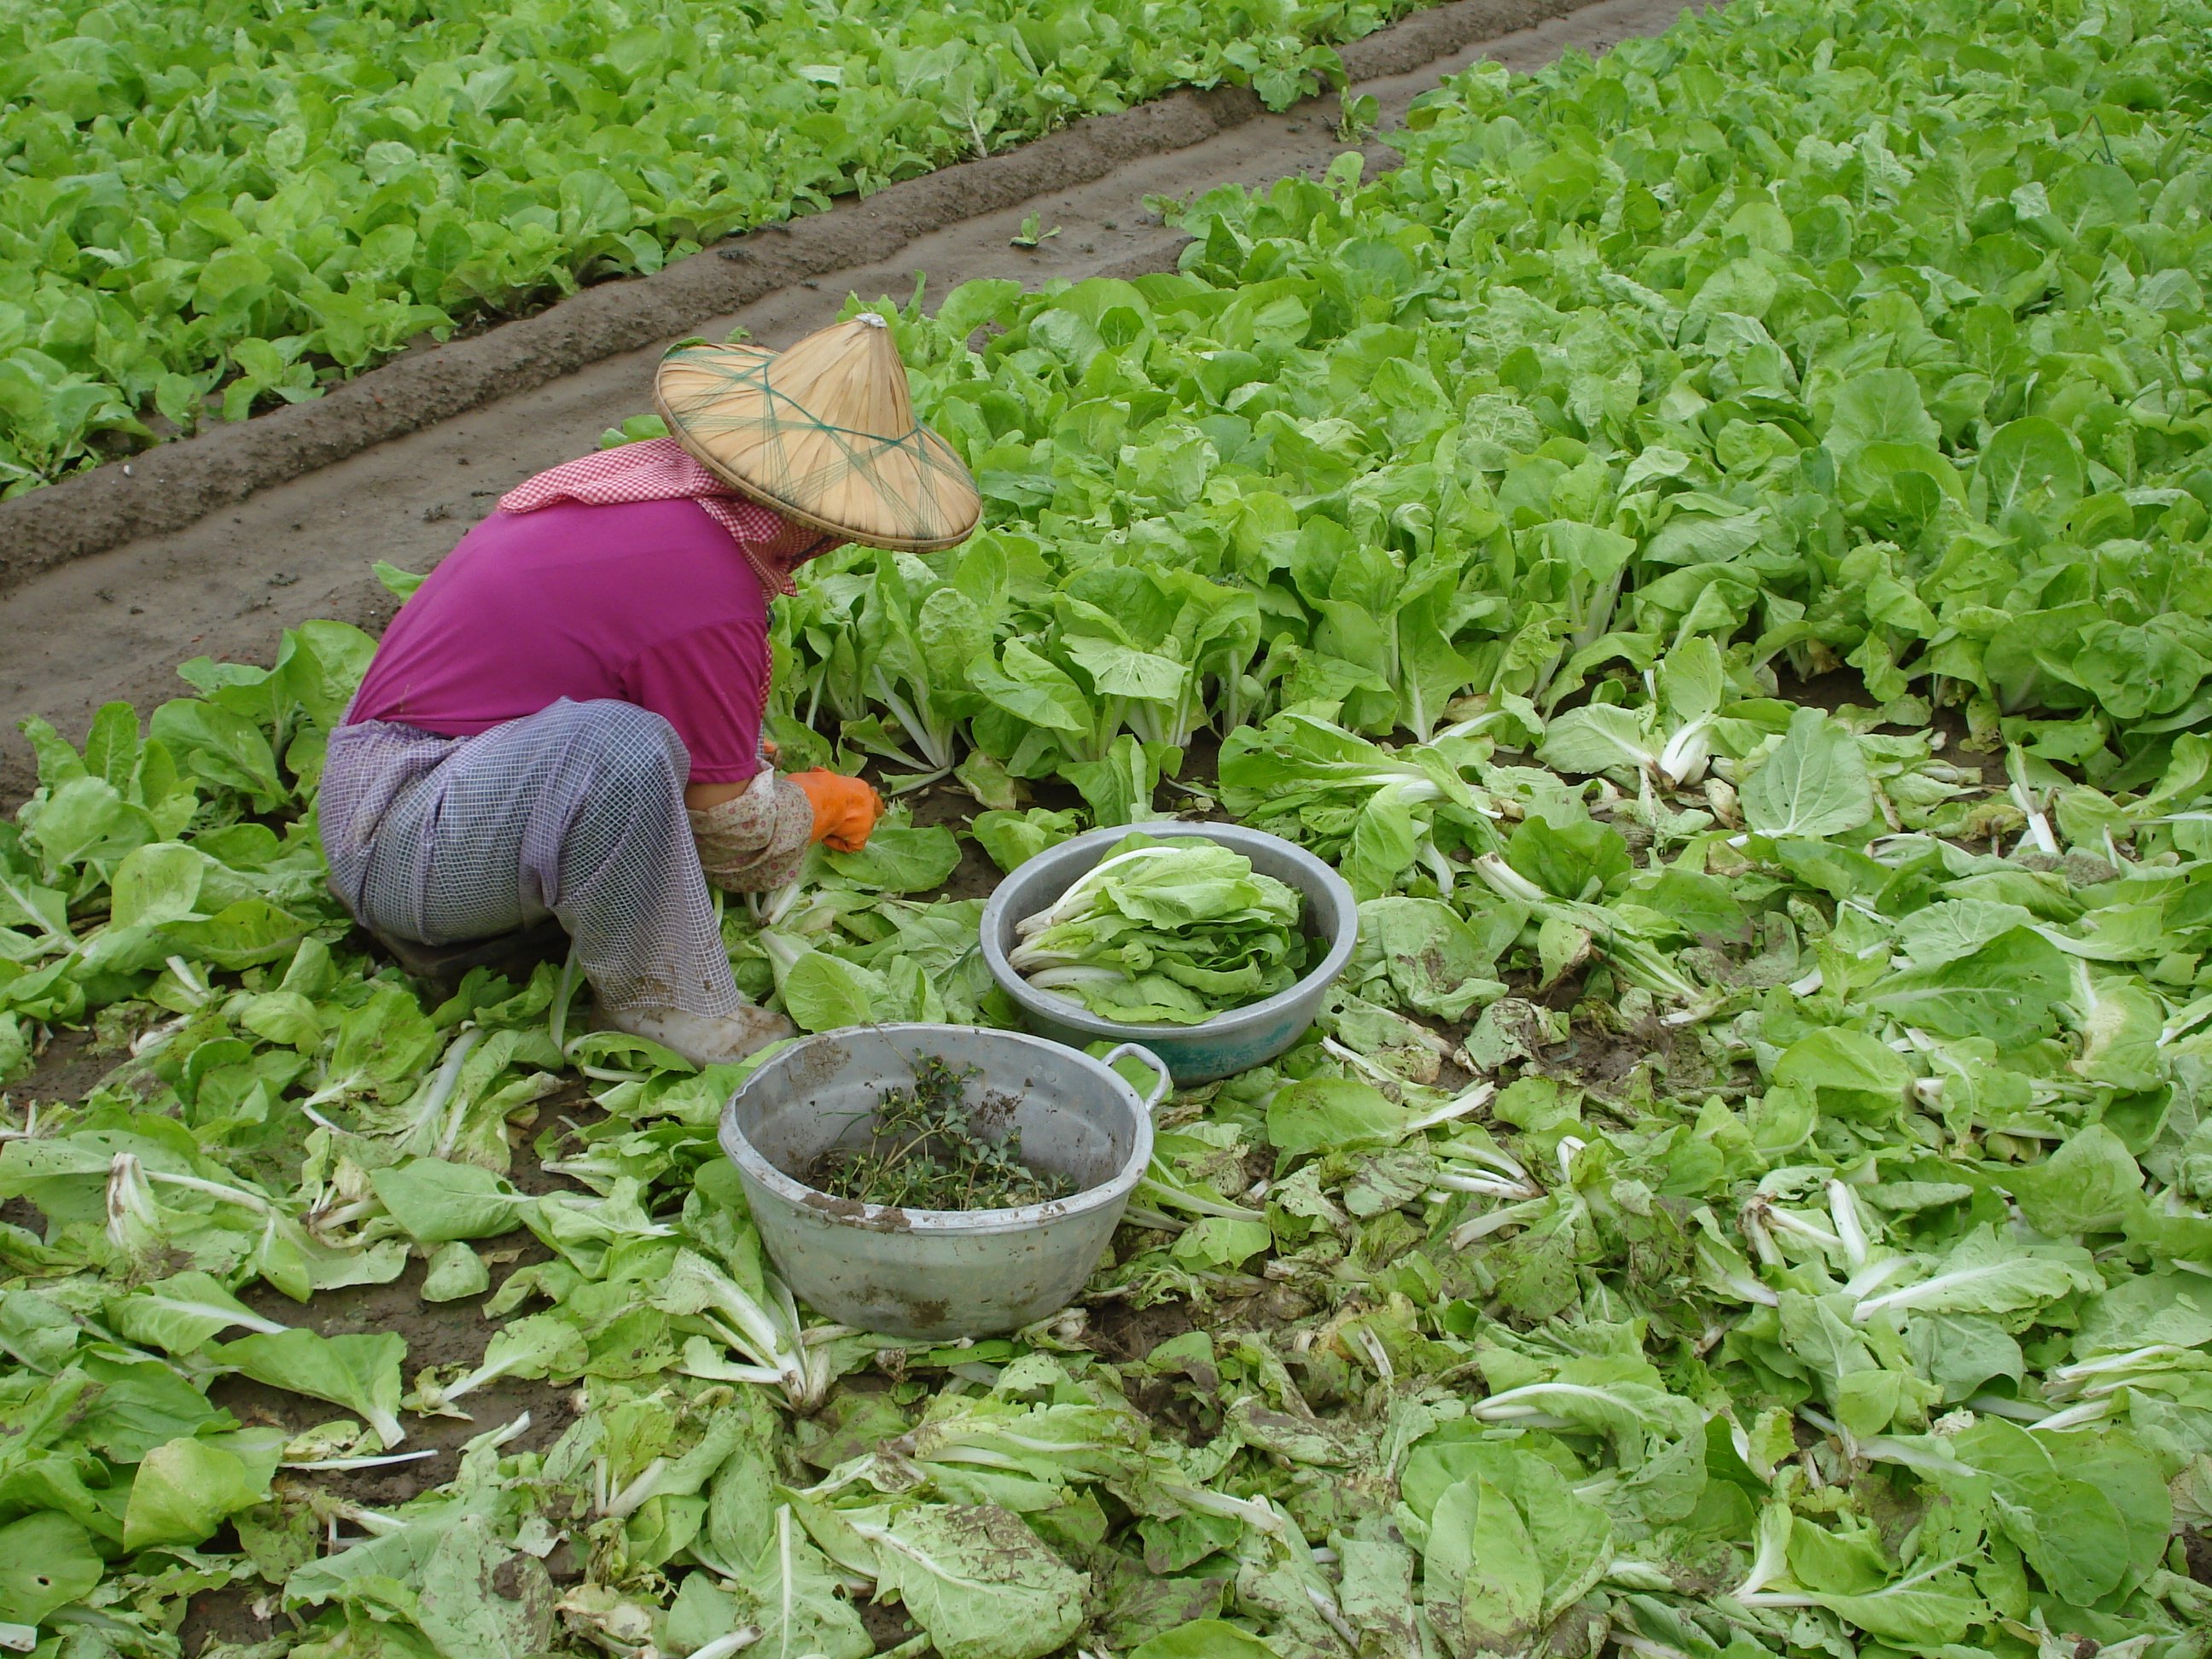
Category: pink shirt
<point>649,602</point>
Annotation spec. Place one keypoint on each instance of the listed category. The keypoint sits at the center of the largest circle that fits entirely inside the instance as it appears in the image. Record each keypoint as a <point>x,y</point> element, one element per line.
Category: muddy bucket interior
<point>939,1273</point>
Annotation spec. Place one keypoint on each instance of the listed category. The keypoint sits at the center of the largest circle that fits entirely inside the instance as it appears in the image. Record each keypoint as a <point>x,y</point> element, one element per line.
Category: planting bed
<point>214,209</point>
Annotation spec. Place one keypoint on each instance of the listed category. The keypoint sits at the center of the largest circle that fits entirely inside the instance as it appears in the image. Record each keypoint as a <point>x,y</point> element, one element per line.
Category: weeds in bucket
<point>928,1152</point>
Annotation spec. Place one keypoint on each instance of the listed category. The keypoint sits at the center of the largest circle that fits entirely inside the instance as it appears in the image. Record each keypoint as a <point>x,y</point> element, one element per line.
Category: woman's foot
<point>703,1039</point>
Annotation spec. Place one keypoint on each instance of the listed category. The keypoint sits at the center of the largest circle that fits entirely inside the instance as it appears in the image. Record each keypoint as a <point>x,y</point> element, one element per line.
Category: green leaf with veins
<point>1012,838</point>
<point>179,1314</point>
<point>184,1489</point>
<point>2070,1532</point>
<point>1421,954</point>
<point>2087,1186</point>
<point>1982,1274</point>
<point>1328,1115</point>
<point>976,1580</point>
<point>1484,1586</point>
<point>358,1372</point>
<point>1813,783</point>
<point>1204,1638</point>
<point>46,1562</point>
<point>1850,1072</point>
<point>898,858</point>
<point>438,1202</point>
<point>455,1271</point>
<point>2009,991</point>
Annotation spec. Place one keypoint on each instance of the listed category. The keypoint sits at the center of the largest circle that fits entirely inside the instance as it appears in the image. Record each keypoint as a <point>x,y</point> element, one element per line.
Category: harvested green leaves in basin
<point>1165,933</point>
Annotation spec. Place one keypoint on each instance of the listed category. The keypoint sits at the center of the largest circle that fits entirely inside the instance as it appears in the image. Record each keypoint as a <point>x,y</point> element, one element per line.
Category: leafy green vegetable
<point>184,1489</point>
<point>50,1562</point>
<point>1373,811</point>
<point>1170,932</point>
<point>361,1373</point>
<point>975,1578</point>
<point>1012,838</point>
<point>1814,782</point>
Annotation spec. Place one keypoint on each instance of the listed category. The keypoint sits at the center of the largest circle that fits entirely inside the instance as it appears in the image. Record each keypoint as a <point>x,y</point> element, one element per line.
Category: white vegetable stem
<point>1070,902</point>
<point>769,1337</point>
<point>1064,972</point>
<point>1484,1186</point>
<point>362,1462</point>
<point>1159,1183</point>
<point>237,1195</point>
<point>1459,1106</point>
<point>736,1642</point>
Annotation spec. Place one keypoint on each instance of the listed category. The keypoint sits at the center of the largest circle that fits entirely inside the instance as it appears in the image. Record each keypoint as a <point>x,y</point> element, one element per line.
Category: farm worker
<point>565,717</point>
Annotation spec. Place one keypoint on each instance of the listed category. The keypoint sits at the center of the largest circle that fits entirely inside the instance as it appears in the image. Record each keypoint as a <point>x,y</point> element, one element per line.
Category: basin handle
<point>1165,1080</point>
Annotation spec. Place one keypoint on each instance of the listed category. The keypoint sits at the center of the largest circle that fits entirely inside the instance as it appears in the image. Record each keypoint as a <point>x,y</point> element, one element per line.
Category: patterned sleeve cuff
<point>757,840</point>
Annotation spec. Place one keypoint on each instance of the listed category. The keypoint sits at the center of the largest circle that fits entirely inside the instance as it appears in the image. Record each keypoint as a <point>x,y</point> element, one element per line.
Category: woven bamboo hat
<point>823,432</point>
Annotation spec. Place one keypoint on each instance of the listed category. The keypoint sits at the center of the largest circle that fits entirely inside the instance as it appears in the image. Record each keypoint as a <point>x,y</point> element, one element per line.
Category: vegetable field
<point>1713,549</point>
<point>214,209</point>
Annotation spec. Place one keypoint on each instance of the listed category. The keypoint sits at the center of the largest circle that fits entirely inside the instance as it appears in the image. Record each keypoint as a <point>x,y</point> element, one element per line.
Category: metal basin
<point>938,1273</point>
<point>1229,1042</point>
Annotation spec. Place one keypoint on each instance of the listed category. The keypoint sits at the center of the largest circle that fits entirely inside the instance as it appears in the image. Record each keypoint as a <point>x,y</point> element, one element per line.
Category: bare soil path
<point>115,624</point>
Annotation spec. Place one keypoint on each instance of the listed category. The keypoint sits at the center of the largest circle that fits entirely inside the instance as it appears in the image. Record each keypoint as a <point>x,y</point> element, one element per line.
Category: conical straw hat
<point>823,432</point>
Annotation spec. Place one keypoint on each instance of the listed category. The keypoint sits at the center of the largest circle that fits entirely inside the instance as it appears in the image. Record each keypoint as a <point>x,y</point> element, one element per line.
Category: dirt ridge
<point>172,485</point>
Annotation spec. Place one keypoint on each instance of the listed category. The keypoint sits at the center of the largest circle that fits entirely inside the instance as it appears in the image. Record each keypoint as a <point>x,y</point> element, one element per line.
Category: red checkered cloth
<point>662,470</point>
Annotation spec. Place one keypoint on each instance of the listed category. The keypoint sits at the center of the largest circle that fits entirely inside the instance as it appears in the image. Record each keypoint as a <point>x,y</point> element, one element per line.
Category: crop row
<point>211,209</point>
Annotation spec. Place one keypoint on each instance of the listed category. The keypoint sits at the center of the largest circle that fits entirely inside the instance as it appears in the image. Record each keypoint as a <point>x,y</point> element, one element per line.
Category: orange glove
<point>845,809</point>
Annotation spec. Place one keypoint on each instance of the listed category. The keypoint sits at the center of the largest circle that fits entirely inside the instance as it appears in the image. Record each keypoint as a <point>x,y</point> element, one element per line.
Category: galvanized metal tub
<point>938,1274</point>
<point>1229,1042</point>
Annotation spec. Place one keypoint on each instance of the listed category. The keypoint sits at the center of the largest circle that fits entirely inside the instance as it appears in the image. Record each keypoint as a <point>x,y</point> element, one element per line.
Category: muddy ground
<point>115,624</point>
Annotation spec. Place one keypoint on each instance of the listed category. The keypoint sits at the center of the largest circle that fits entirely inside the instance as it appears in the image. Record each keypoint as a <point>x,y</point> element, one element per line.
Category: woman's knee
<point>636,763</point>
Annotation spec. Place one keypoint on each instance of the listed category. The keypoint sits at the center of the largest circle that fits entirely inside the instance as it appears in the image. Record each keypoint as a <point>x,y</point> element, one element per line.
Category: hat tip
<point>872,319</point>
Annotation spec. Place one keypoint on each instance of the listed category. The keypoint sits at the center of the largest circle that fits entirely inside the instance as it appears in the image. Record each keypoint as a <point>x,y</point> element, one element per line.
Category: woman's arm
<point>755,835</point>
